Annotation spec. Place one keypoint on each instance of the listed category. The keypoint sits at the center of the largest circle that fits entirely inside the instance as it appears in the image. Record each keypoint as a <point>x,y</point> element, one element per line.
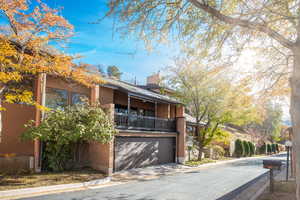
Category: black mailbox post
<point>272,165</point>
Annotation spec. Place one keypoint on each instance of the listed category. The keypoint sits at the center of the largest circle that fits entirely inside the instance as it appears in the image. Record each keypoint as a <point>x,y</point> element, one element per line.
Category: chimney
<point>153,79</point>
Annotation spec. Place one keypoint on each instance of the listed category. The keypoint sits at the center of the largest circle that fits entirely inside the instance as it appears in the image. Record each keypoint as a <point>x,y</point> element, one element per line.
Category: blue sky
<point>98,45</point>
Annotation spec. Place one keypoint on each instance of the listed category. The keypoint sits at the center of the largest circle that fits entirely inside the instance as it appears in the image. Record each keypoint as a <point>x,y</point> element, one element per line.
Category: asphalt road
<point>205,184</point>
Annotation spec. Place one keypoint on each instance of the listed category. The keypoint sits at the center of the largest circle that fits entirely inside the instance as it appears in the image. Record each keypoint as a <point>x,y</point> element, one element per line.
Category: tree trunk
<point>295,113</point>
<point>200,151</point>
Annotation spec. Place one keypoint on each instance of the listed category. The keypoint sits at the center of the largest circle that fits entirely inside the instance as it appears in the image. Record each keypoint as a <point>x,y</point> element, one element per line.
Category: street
<point>205,184</point>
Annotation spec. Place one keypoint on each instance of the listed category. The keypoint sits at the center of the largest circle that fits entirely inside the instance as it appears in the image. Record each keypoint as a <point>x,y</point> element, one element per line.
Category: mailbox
<point>272,164</point>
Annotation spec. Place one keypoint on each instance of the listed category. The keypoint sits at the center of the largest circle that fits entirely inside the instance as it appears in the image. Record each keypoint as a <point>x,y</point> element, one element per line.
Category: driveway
<point>202,184</point>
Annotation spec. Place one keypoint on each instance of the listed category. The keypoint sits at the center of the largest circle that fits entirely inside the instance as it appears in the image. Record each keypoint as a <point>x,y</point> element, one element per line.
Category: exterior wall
<point>101,157</point>
<point>58,83</point>
<point>106,95</point>
<point>172,111</point>
<point>13,165</point>
<point>163,110</point>
<point>14,118</point>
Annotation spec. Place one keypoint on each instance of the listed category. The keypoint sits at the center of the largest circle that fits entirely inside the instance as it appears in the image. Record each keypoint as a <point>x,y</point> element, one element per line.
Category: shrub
<point>239,148</point>
<point>62,132</point>
<point>218,152</point>
<point>246,148</point>
<point>263,149</point>
<point>269,148</point>
<point>252,148</point>
<point>274,149</point>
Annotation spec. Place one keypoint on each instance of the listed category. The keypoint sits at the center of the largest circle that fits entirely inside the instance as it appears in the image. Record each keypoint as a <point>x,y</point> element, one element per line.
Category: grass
<point>8,182</point>
<point>283,191</point>
<point>194,163</point>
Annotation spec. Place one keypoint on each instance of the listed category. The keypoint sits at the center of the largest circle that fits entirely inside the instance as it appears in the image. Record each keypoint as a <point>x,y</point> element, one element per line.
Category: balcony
<point>135,122</point>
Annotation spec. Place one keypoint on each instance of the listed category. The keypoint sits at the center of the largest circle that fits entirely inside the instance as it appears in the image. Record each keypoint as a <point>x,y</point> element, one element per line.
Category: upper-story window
<point>56,98</point>
<point>78,98</point>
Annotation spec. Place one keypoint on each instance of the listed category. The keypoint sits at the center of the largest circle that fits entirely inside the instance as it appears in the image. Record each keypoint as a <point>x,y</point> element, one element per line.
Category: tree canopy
<point>114,71</point>
<point>26,32</point>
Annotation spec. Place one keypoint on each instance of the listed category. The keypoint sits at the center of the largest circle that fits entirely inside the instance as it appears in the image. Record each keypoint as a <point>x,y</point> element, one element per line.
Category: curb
<point>228,161</point>
<point>35,190</point>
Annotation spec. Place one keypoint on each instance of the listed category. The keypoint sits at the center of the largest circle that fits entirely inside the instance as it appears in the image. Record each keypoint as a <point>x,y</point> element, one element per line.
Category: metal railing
<point>135,122</point>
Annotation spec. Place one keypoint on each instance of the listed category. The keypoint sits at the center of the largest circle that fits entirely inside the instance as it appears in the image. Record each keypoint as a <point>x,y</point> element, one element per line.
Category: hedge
<point>246,148</point>
<point>262,149</point>
<point>239,148</point>
<point>252,148</point>
<point>269,148</point>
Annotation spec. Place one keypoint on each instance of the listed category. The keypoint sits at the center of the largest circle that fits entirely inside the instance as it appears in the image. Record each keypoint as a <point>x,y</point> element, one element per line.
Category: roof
<point>191,120</point>
<point>156,87</point>
<point>137,91</point>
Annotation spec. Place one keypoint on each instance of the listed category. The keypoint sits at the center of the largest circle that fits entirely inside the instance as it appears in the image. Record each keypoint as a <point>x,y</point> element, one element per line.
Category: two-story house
<point>151,126</point>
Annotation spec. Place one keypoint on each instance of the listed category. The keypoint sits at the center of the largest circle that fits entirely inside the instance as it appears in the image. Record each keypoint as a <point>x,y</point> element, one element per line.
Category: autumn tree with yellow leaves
<point>26,32</point>
<point>211,98</point>
<point>217,29</point>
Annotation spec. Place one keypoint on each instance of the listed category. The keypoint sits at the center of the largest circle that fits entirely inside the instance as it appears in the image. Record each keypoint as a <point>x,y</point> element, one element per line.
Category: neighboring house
<point>151,126</point>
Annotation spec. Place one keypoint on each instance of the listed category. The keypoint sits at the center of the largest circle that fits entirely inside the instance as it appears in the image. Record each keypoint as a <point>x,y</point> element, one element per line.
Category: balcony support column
<point>128,109</point>
<point>155,113</point>
<point>181,138</point>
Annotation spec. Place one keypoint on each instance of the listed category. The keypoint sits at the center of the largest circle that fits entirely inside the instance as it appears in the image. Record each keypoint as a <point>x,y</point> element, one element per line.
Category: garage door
<point>135,152</point>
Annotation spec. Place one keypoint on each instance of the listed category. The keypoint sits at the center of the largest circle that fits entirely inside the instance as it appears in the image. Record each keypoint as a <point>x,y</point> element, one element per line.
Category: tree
<point>209,97</point>
<point>274,148</point>
<point>247,148</point>
<point>269,148</point>
<point>64,131</point>
<point>263,148</point>
<point>239,148</point>
<point>270,25</point>
<point>251,148</point>
<point>114,71</point>
<point>25,34</point>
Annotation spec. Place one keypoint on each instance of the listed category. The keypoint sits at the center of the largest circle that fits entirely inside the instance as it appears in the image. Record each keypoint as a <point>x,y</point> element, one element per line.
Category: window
<point>56,98</point>
<point>78,98</point>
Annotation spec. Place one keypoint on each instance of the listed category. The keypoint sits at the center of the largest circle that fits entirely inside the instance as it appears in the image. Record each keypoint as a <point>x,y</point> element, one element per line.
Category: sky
<point>99,44</point>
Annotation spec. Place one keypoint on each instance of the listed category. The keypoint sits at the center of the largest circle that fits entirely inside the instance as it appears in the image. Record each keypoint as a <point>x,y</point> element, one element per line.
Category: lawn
<point>8,182</point>
<point>194,163</point>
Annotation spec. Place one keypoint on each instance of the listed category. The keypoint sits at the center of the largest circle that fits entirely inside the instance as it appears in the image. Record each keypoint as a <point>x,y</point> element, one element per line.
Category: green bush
<point>269,148</point>
<point>274,149</point>
<point>252,148</point>
<point>239,148</point>
<point>263,149</point>
<point>218,152</point>
<point>63,131</point>
<point>246,148</point>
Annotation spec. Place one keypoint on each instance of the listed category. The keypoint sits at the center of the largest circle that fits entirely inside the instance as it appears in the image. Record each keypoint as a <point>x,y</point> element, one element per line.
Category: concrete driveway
<point>202,184</point>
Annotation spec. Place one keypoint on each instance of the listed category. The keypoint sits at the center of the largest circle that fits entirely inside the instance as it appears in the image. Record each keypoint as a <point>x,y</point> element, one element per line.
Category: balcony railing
<point>134,122</point>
